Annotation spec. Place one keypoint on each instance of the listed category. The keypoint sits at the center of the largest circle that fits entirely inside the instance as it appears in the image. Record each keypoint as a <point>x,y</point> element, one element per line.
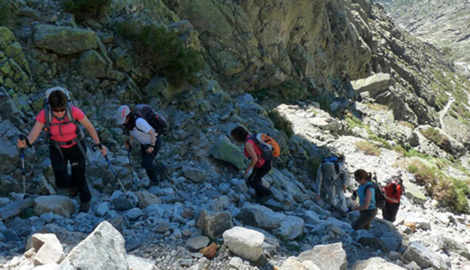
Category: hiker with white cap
<point>147,132</point>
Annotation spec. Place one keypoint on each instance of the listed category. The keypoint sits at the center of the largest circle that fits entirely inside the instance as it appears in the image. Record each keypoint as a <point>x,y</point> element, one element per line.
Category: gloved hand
<point>349,210</point>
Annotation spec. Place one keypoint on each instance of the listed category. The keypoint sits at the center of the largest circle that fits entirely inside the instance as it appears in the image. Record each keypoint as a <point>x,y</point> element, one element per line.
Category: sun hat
<point>121,114</point>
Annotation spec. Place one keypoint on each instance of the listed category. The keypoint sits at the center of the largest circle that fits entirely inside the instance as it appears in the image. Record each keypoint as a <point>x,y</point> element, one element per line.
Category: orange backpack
<point>268,146</point>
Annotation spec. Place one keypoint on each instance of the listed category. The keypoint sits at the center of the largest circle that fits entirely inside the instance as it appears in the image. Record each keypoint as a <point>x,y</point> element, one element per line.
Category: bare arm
<point>33,135</point>
<point>153,138</point>
<point>254,157</point>
<point>94,135</point>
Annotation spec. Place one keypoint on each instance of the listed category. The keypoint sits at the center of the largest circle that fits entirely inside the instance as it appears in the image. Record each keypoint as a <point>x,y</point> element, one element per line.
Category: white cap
<point>121,114</point>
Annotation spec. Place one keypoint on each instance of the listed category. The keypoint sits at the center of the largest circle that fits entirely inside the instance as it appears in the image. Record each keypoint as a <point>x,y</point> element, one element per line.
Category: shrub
<point>281,123</point>
<point>368,148</point>
<point>163,52</point>
<point>433,135</point>
<point>446,192</point>
<point>452,193</point>
<point>7,15</point>
<point>87,9</point>
<point>425,176</point>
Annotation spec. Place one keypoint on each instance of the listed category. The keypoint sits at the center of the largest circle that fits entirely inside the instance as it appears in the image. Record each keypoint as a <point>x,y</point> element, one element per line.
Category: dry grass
<point>368,148</point>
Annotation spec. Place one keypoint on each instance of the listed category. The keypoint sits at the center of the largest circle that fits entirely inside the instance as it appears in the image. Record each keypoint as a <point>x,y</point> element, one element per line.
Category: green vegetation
<point>368,148</point>
<point>281,123</point>
<point>163,52</point>
<point>7,15</point>
<point>353,121</point>
<point>449,191</point>
<point>87,9</point>
<point>438,139</point>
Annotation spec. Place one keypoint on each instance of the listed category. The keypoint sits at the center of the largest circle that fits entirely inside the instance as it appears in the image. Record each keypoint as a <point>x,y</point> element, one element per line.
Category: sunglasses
<point>59,110</point>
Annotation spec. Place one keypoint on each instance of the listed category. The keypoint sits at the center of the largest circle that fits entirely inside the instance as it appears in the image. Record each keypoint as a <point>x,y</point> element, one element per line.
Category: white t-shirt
<point>140,131</point>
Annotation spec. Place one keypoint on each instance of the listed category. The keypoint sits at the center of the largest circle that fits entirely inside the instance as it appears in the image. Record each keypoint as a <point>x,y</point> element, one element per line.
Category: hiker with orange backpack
<point>61,119</point>
<point>261,155</point>
<point>146,126</point>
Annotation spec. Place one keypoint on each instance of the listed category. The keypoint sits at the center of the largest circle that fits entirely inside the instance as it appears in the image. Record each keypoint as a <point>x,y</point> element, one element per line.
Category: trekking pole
<point>23,170</point>
<point>111,167</point>
<point>130,165</point>
<point>160,166</point>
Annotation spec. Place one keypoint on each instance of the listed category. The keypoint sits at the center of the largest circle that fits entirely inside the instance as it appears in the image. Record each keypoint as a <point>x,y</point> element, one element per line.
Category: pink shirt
<point>258,152</point>
<point>67,131</point>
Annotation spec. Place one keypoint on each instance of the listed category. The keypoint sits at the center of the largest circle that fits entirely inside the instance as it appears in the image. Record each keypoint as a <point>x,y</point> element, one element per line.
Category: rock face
<point>440,23</point>
<point>296,39</point>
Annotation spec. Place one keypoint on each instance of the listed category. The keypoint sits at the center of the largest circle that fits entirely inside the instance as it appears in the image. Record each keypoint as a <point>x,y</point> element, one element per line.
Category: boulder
<point>103,249</point>
<point>225,150</point>
<point>330,256</point>
<point>244,242</point>
<point>424,257</point>
<point>64,40</point>
<point>213,224</point>
<point>59,205</point>
<point>48,249</point>
<point>374,84</point>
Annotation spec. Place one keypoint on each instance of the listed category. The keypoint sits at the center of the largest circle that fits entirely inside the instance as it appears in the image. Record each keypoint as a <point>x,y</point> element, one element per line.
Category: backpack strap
<point>372,198</point>
<point>71,119</point>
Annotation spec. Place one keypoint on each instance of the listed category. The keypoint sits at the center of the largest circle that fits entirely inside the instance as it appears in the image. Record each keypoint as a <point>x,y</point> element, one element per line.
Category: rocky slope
<point>340,71</point>
<point>441,23</point>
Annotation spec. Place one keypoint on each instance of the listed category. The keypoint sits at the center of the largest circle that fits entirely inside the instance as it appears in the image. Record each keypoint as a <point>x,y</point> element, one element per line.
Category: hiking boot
<point>73,191</point>
<point>84,207</point>
<point>265,198</point>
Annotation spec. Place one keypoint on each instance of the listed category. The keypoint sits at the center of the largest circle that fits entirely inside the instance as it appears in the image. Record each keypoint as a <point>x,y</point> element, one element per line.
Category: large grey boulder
<point>64,40</point>
<point>424,257</point>
<point>225,150</point>
<point>103,249</point>
<point>291,228</point>
<point>330,256</point>
<point>59,205</point>
<point>244,242</point>
<point>374,84</point>
<point>453,245</point>
<point>214,224</point>
<point>48,249</point>
<point>260,216</point>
